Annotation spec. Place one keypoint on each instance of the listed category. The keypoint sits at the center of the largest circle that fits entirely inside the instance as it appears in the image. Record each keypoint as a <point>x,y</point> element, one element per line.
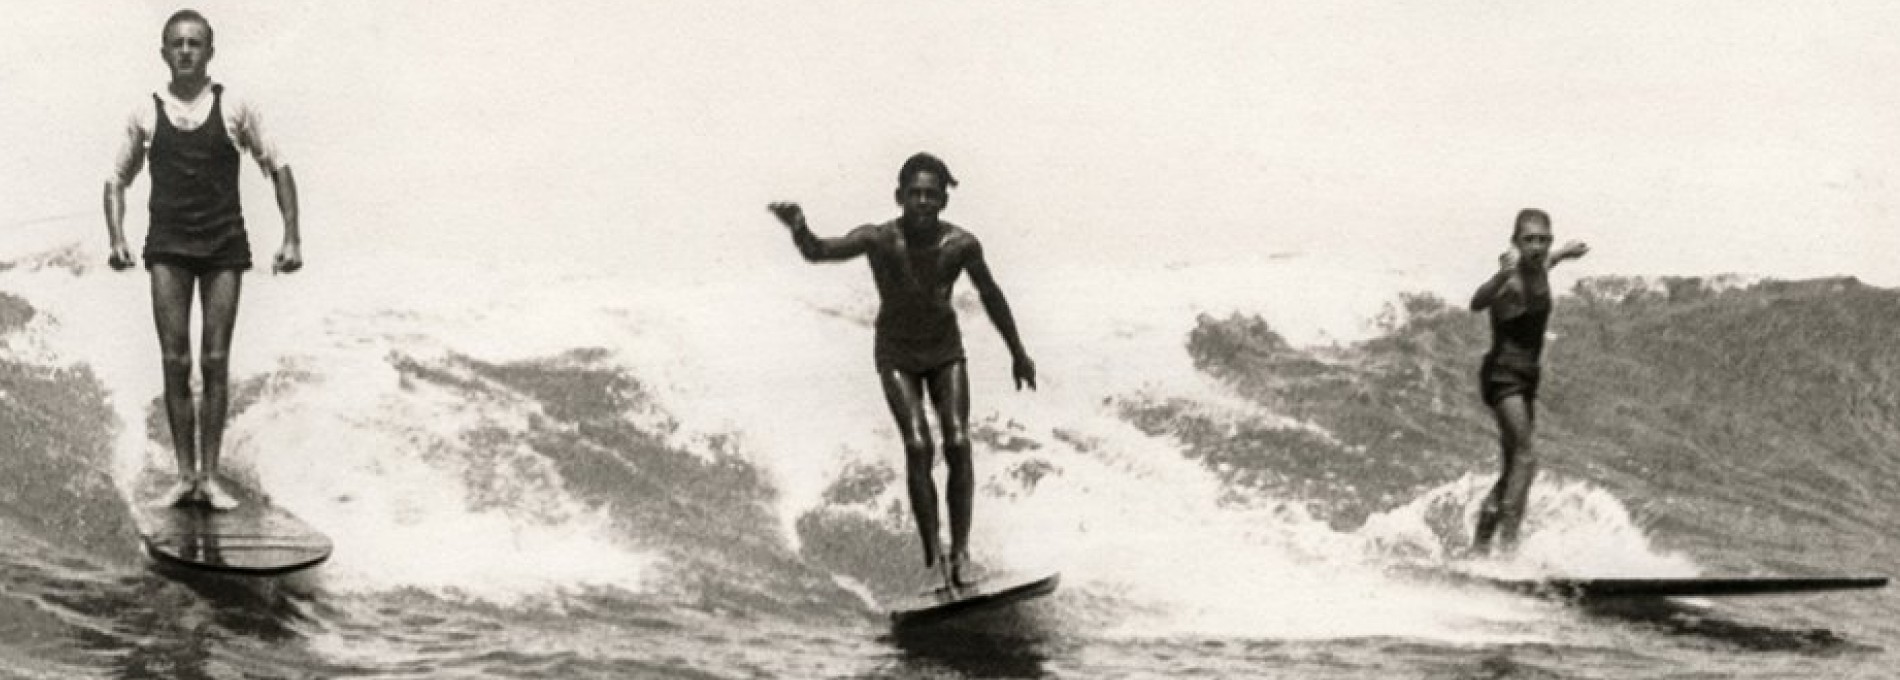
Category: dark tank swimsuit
<point>916,328</point>
<point>1513,365</point>
<point>197,223</point>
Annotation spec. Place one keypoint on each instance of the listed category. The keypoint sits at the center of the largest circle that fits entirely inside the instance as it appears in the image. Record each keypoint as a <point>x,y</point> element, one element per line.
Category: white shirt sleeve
<point>242,123</point>
<point>130,157</point>
<point>246,125</point>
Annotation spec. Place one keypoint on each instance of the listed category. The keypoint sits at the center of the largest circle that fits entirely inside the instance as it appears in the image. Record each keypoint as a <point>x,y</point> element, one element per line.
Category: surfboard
<point>254,539</point>
<point>986,594</point>
<point>1580,588</point>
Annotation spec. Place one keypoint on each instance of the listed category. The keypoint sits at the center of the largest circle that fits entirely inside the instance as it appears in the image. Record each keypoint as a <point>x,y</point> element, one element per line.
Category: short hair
<point>1528,215</point>
<point>924,162</point>
<point>182,16</point>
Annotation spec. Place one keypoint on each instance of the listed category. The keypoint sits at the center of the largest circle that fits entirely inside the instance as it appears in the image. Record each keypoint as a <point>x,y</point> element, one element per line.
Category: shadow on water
<point>1681,619</point>
<point>1007,643</point>
<point>184,623</point>
<point>267,608</point>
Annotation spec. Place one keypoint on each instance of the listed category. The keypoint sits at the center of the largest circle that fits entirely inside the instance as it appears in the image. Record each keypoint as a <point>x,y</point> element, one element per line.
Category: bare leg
<point>171,309</point>
<point>950,393</point>
<point>219,293</point>
<point>1517,494</point>
<point>1503,512</point>
<point>903,392</point>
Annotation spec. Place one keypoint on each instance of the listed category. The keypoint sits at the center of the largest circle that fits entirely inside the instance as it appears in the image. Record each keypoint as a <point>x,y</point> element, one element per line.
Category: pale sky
<point>1677,138</point>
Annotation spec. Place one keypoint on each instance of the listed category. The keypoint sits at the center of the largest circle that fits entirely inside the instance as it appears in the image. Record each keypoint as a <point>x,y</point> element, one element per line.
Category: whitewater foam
<point>336,438</point>
<point>773,365</point>
<point>1572,528</point>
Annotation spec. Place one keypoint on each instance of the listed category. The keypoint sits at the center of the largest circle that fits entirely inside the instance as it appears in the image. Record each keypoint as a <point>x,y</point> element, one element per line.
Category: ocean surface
<point>532,471</point>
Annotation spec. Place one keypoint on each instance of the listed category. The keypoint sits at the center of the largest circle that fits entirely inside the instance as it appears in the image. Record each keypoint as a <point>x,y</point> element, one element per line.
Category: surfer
<point>918,350</point>
<point>192,131</point>
<point>1518,298</point>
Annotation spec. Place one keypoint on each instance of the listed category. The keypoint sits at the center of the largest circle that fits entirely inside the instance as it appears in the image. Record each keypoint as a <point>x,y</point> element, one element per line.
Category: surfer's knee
<point>1490,506</point>
<point>917,451</point>
<point>177,365</point>
<point>1510,505</point>
<point>1525,457</point>
<point>217,366</point>
<point>1514,502</point>
<point>956,452</point>
<point>955,442</point>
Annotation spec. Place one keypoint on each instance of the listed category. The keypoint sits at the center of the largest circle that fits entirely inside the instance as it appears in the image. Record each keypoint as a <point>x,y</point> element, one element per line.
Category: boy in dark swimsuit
<point>196,238</point>
<point>915,260</point>
<point>1518,298</point>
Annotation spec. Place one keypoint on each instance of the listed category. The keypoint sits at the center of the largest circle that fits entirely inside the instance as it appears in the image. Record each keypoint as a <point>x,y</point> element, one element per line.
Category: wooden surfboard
<point>254,539</point>
<point>1580,588</point>
<point>986,594</point>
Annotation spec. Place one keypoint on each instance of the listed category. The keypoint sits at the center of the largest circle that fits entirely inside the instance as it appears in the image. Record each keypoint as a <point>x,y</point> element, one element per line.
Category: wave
<point>1698,400</point>
<point>549,439</point>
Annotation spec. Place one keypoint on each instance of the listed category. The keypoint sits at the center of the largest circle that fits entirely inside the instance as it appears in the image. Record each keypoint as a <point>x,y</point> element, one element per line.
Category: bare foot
<point>219,497</point>
<point>956,573</point>
<point>961,575</point>
<point>945,586</point>
<point>178,494</point>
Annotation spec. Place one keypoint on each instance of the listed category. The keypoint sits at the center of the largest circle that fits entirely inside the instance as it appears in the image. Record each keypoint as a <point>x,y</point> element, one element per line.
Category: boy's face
<point>187,49</point>
<point>923,196</point>
<point>1533,242</point>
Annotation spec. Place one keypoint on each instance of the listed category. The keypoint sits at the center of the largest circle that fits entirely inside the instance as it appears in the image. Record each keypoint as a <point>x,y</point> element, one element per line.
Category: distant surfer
<point>1518,297</point>
<point>915,261</point>
<point>191,130</point>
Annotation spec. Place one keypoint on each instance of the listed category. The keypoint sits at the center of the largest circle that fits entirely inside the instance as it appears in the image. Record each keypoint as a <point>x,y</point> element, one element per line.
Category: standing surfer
<point>915,261</point>
<point>1518,297</point>
<point>192,131</point>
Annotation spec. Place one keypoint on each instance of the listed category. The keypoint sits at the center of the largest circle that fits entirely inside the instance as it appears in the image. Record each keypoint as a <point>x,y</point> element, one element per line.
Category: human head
<point>1529,215</point>
<point>182,16</point>
<point>185,44</point>
<point>923,186</point>
<point>1530,234</point>
<point>923,161</point>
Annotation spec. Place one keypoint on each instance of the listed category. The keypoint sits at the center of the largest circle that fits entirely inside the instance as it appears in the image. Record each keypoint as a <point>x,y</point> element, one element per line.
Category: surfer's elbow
<point>813,251</point>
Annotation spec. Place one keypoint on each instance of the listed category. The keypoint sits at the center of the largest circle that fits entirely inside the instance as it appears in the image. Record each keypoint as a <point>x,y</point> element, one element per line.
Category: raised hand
<point>789,213</point>
<point>1509,260</point>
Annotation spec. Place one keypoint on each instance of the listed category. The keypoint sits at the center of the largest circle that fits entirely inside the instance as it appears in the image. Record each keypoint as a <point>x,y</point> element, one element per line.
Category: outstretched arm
<point>817,249</point>
<point>997,307</point>
<point>1570,251</point>
<point>290,256</point>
